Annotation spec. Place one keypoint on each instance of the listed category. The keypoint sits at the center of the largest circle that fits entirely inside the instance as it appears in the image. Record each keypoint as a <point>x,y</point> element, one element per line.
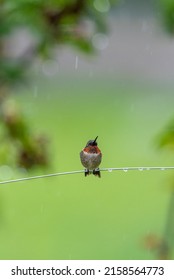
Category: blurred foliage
<point>167,8</point>
<point>157,245</point>
<point>28,147</point>
<point>48,23</point>
<point>44,25</point>
<point>166,138</point>
<point>163,246</point>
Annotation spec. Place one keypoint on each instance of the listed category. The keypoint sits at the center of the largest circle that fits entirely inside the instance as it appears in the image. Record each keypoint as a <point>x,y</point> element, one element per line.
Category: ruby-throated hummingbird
<point>91,158</point>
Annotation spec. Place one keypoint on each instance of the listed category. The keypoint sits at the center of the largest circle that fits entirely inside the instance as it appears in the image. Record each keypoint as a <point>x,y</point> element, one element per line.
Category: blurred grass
<point>73,217</point>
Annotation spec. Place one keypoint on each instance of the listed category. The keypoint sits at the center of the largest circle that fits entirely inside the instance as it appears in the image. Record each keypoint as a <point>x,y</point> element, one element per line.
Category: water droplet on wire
<point>140,169</point>
<point>125,169</point>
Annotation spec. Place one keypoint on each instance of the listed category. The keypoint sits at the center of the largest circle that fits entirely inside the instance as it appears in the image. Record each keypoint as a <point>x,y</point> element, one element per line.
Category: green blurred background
<point>125,96</point>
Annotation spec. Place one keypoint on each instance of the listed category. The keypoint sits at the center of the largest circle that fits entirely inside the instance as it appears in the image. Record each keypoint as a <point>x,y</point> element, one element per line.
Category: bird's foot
<point>96,172</point>
<point>87,172</point>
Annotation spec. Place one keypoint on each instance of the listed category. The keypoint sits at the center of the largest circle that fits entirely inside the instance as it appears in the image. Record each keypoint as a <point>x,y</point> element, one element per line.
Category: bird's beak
<point>95,139</point>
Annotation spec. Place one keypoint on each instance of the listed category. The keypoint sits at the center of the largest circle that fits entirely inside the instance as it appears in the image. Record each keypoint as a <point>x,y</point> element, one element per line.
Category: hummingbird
<point>91,158</point>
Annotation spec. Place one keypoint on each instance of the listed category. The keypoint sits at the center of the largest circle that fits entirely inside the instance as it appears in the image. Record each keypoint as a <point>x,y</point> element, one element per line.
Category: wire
<point>125,169</point>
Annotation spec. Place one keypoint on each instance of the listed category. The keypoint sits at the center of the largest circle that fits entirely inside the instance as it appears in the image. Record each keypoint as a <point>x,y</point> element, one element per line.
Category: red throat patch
<point>92,150</point>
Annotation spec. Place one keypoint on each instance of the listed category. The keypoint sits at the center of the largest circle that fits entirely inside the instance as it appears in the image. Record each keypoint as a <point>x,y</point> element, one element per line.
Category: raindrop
<point>76,62</point>
<point>162,169</point>
<point>102,6</point>
<point>110,170</point>
<point>35,91</point>
<point>100,41</point>
<point>148,168</point>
